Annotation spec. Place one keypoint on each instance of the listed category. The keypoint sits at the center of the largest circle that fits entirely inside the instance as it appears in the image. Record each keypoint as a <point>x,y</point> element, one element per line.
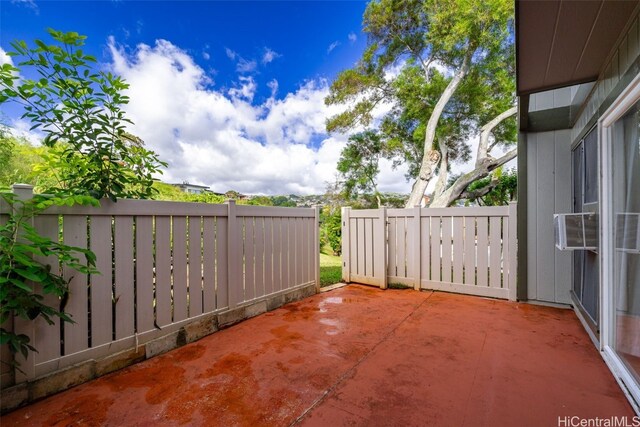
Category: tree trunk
<point>484,164</point>
<point>431,157</point>
<point>453,193</point>
<point>443,173</point>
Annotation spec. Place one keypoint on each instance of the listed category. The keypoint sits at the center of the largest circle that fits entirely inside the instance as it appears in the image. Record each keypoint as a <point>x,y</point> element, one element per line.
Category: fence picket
<point>144,273</point>
<point>495,252</point>
<point>179,234</point>
<point>124,289</point>
<point>436,249</point>
<point>446,249</point>
<point>209,264</point>
<point>268,255</point>
<point>249,260</point>
<point>425,252</point>
<point>482,224</point>
<point>401,242</point>
<point>469,251</point>
<point>222,263</point>
<point>458,249</point>
<point>163,271</point>
<point>259,256</point>
<point>291,253</point>
<point>47,338</point>
<point>392,267</point>
<point>194,273</point>
<point>76,334</point>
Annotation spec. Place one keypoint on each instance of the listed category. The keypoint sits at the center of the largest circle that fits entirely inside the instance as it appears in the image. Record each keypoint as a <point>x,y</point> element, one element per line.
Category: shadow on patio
<point>360,356</point>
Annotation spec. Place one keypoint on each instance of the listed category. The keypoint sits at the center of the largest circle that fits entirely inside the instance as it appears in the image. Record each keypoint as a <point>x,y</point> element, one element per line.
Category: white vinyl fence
<point>163,265</point>
<point>464,250</point>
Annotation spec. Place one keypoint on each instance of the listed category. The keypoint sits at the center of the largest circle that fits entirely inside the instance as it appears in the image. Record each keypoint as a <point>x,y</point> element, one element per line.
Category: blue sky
<point>229,93</point>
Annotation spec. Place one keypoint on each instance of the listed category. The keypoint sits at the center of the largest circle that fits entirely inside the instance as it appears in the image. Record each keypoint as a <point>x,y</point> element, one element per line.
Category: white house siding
<point>549,184</point>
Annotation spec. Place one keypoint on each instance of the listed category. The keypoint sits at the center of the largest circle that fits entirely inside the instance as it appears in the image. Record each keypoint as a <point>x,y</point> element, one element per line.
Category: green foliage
<point>330,268</point>
<point>282,201</point>
<point>415,48</point>
<point>358,164</point>
<point>80,112</point>
<point>21,162</point>
<point>331,230</point>
<point>260,201</point>
<point>172,193</point>
<point>23,280</point>
<point>503,188</point>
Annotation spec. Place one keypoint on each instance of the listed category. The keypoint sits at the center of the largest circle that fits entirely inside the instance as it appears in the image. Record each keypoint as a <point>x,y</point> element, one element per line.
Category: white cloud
<point>352,37</point>
<point>273,85</point>
<point>230,54</point>
<point>245,90</point>
<point>246,66</point>
<point>22,129</point>
<point>220,138</point>
<point>206,56</point>
<point>332,46</point>
<point>4,58</point>
<point>269,55</point>
<point>31,4</point>
<point>242,65</point>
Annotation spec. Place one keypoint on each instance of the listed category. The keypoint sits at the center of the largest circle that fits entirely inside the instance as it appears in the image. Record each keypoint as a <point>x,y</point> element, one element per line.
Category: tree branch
<point>485,132</point>
<point>480,192</point>
<point>482,170</point>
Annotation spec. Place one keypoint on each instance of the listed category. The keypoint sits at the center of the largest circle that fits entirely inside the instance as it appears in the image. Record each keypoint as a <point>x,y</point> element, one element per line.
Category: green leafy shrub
<point>331,230</point>
<point>23,280</point>
<point>80,112</point>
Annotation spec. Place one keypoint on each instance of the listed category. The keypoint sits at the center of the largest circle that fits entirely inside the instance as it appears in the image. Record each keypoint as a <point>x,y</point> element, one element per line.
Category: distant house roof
<point>186,184</point>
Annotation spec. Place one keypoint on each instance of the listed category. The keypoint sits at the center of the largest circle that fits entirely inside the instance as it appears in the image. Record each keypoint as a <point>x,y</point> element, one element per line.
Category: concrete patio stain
<point>359,356</point>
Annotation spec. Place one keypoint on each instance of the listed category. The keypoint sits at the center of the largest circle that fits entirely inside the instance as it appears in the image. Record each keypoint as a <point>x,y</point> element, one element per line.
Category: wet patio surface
<point>360,356</point>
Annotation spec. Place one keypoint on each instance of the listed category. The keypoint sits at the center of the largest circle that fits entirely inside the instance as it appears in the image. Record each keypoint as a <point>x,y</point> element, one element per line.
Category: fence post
<point>513,250</point>
<point>345,234</point>
<point>380,247</point>
<point>417,248</point>
<point>316,244</point>
<point>21,326</point>
<point>234,256</point>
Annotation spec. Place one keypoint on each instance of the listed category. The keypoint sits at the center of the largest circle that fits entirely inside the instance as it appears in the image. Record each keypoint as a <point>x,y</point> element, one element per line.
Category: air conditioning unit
<point>576,231</point>
<point>628,232</point>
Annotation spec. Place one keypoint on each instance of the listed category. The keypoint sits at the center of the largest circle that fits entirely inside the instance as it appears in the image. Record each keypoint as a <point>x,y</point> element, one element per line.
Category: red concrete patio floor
<point>360,356</point>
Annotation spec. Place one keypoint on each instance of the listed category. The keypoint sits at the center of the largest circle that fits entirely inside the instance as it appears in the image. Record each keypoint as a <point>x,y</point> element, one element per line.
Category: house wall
<point>549,192</point>
<point>548,168</point>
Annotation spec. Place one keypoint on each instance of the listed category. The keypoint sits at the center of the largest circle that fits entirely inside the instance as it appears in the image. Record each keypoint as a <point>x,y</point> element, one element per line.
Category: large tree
<point>445,71</point>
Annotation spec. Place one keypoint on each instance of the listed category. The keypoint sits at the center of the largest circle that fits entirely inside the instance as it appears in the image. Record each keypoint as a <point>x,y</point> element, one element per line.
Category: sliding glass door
<point>586,277</point>
<point>621,236</point>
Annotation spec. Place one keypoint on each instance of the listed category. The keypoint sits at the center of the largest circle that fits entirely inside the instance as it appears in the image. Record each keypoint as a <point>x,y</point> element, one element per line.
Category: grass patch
<point>398,286</point>
<point>330,268</point>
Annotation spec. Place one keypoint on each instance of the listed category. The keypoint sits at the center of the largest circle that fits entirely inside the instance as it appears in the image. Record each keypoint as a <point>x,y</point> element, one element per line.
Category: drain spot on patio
<point>231,397</point>
<point>160,376</point>
<point>284,339</point>
<point>86,409</point>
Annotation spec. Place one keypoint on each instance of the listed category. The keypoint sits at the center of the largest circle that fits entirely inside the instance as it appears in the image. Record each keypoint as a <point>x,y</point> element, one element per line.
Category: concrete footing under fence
<point>24,393</point>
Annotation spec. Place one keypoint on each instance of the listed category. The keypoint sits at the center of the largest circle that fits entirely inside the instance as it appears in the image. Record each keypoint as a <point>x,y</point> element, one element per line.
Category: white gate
<point>363,246</point>
<point>463,250</point>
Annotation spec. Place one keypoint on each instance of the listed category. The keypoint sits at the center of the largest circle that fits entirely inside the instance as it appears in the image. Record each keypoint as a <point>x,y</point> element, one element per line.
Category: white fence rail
<point>464,250</point>
<point>162,265</point>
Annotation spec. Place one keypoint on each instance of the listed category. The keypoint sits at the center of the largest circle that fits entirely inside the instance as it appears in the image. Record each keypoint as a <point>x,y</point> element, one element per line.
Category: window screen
<point>591,167</point>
